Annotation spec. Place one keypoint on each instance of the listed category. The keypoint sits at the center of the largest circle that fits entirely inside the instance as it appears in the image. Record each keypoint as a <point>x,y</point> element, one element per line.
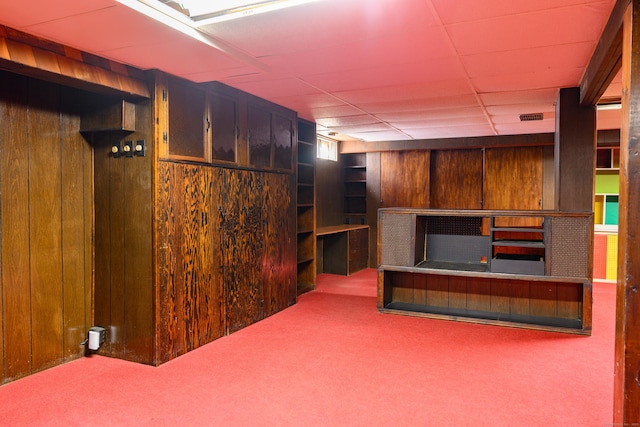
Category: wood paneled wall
<point>46,235</point>
<point>123,296</point>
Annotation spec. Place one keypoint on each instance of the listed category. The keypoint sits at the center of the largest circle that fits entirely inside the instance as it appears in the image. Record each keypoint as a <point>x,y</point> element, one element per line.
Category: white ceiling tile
<point>474,10</point>
<point>529,81</point>
<point>548,95</point>
<point>26,15</point>
<point>542,28</point>
<point>348,121</point>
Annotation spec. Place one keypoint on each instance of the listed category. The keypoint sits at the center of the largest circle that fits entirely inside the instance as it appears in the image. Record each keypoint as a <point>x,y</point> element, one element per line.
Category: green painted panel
<point>607,183</point>
<point>611,210</point>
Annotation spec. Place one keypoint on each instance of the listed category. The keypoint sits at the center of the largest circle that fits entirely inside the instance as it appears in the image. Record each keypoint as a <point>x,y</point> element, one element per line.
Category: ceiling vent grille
<point>530,117</point>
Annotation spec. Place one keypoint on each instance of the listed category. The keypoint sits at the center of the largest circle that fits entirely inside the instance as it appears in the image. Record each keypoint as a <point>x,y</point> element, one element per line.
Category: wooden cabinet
<point>213,123</point>
<point>344,248</point>
<point>443,264</point>
<point>306,209</point>
<point>270,135</point>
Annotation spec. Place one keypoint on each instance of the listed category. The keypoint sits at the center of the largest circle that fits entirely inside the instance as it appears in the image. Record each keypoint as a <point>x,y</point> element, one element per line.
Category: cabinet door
<point>242,248</point>
<point>259,137</point>
<point>224,125</point>
<point>282,142</point>
<point>187,116</point>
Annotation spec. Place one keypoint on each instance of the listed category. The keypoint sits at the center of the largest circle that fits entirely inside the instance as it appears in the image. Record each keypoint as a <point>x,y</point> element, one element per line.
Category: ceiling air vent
<point>530,117</point>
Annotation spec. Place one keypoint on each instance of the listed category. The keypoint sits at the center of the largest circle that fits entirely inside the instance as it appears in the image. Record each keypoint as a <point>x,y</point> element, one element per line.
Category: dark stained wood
<point>500,299</point>
<point>15,228</point>
<point>457,292</point>
<point>329,193</point>
<point>478,294</point>
<point>606,60</point>
<point>543,299</point>
<point>519,297</point>
<point>46,196</point>
<point>513,181</point>
<point>548,179</point>
<point>569,300</point>
<point>500,141</point>
<point>408,287</point>
<point>278,262</point>
<point>575,150</point>
<point>117,217</point>
<point>404,179</point>
<point>170,208</point>
<point>438,291</point>
<point>373,203</point>
<point>74,219</point>
<point>102,245</point>
<point>456,179</point>
<point>242,248</point>
<point>45,204</point>
<point>627,344</point>
<point>358,245</point>
<point>138,229</point>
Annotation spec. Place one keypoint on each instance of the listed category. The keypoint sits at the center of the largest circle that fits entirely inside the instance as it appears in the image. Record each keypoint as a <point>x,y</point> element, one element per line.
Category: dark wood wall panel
<point>75,156</point>
<point>456,179</point>
<point>513,180</point>
<point>123,302</point>
<point>404,179</point>
<point>138,230</point>
<point>15,229</point>
<point>329,193</point>
<point>46,227</point>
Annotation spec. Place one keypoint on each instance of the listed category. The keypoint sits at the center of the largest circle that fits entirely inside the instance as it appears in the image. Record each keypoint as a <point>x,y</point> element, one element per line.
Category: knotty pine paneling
<point>190,292</point>
<point>46,220</point>
<point>456,179</point>
<point>243,248</point>
<point>279,261</point>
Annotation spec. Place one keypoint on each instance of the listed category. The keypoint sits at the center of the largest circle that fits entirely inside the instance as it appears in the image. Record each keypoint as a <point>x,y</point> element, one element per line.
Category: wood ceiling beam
<point>607,58</point>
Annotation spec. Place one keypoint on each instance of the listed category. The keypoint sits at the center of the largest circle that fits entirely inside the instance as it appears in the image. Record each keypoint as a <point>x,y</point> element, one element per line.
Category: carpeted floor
<point>332,360</point>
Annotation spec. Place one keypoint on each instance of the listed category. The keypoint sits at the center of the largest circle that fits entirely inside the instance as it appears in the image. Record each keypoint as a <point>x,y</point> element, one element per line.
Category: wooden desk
<point>343,249</point>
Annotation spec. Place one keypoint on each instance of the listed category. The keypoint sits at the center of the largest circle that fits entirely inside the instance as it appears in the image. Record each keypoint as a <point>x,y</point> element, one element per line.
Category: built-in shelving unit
<point>485,266</point>
<point>306,229</point>
<point>355,188</point>
<point>607,188</point>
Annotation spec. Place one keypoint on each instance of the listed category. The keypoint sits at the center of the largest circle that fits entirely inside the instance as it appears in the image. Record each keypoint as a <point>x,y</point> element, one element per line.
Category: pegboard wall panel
<point>396,239</point>
<point>569,251</point>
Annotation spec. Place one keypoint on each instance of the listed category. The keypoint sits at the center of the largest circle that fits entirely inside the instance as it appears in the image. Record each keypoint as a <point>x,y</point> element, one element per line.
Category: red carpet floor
<point>332,360</point>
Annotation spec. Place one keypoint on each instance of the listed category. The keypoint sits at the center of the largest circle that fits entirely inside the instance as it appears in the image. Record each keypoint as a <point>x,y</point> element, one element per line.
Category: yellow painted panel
<point>612,257</point>
<point>598,210</point>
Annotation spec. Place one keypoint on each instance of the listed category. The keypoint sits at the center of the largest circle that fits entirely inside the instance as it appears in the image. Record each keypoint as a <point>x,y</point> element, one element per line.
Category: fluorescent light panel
<point>205,12</point>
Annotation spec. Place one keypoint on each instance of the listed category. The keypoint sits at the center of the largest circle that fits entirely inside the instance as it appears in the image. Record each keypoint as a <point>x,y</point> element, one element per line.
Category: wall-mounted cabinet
<point>213,123</point>
<point>355,187</point>
<point>306,232</point>
<point>270,135</point>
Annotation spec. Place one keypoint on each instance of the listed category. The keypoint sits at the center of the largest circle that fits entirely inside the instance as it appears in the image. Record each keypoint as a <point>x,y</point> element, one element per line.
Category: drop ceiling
<point>375,70</point>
